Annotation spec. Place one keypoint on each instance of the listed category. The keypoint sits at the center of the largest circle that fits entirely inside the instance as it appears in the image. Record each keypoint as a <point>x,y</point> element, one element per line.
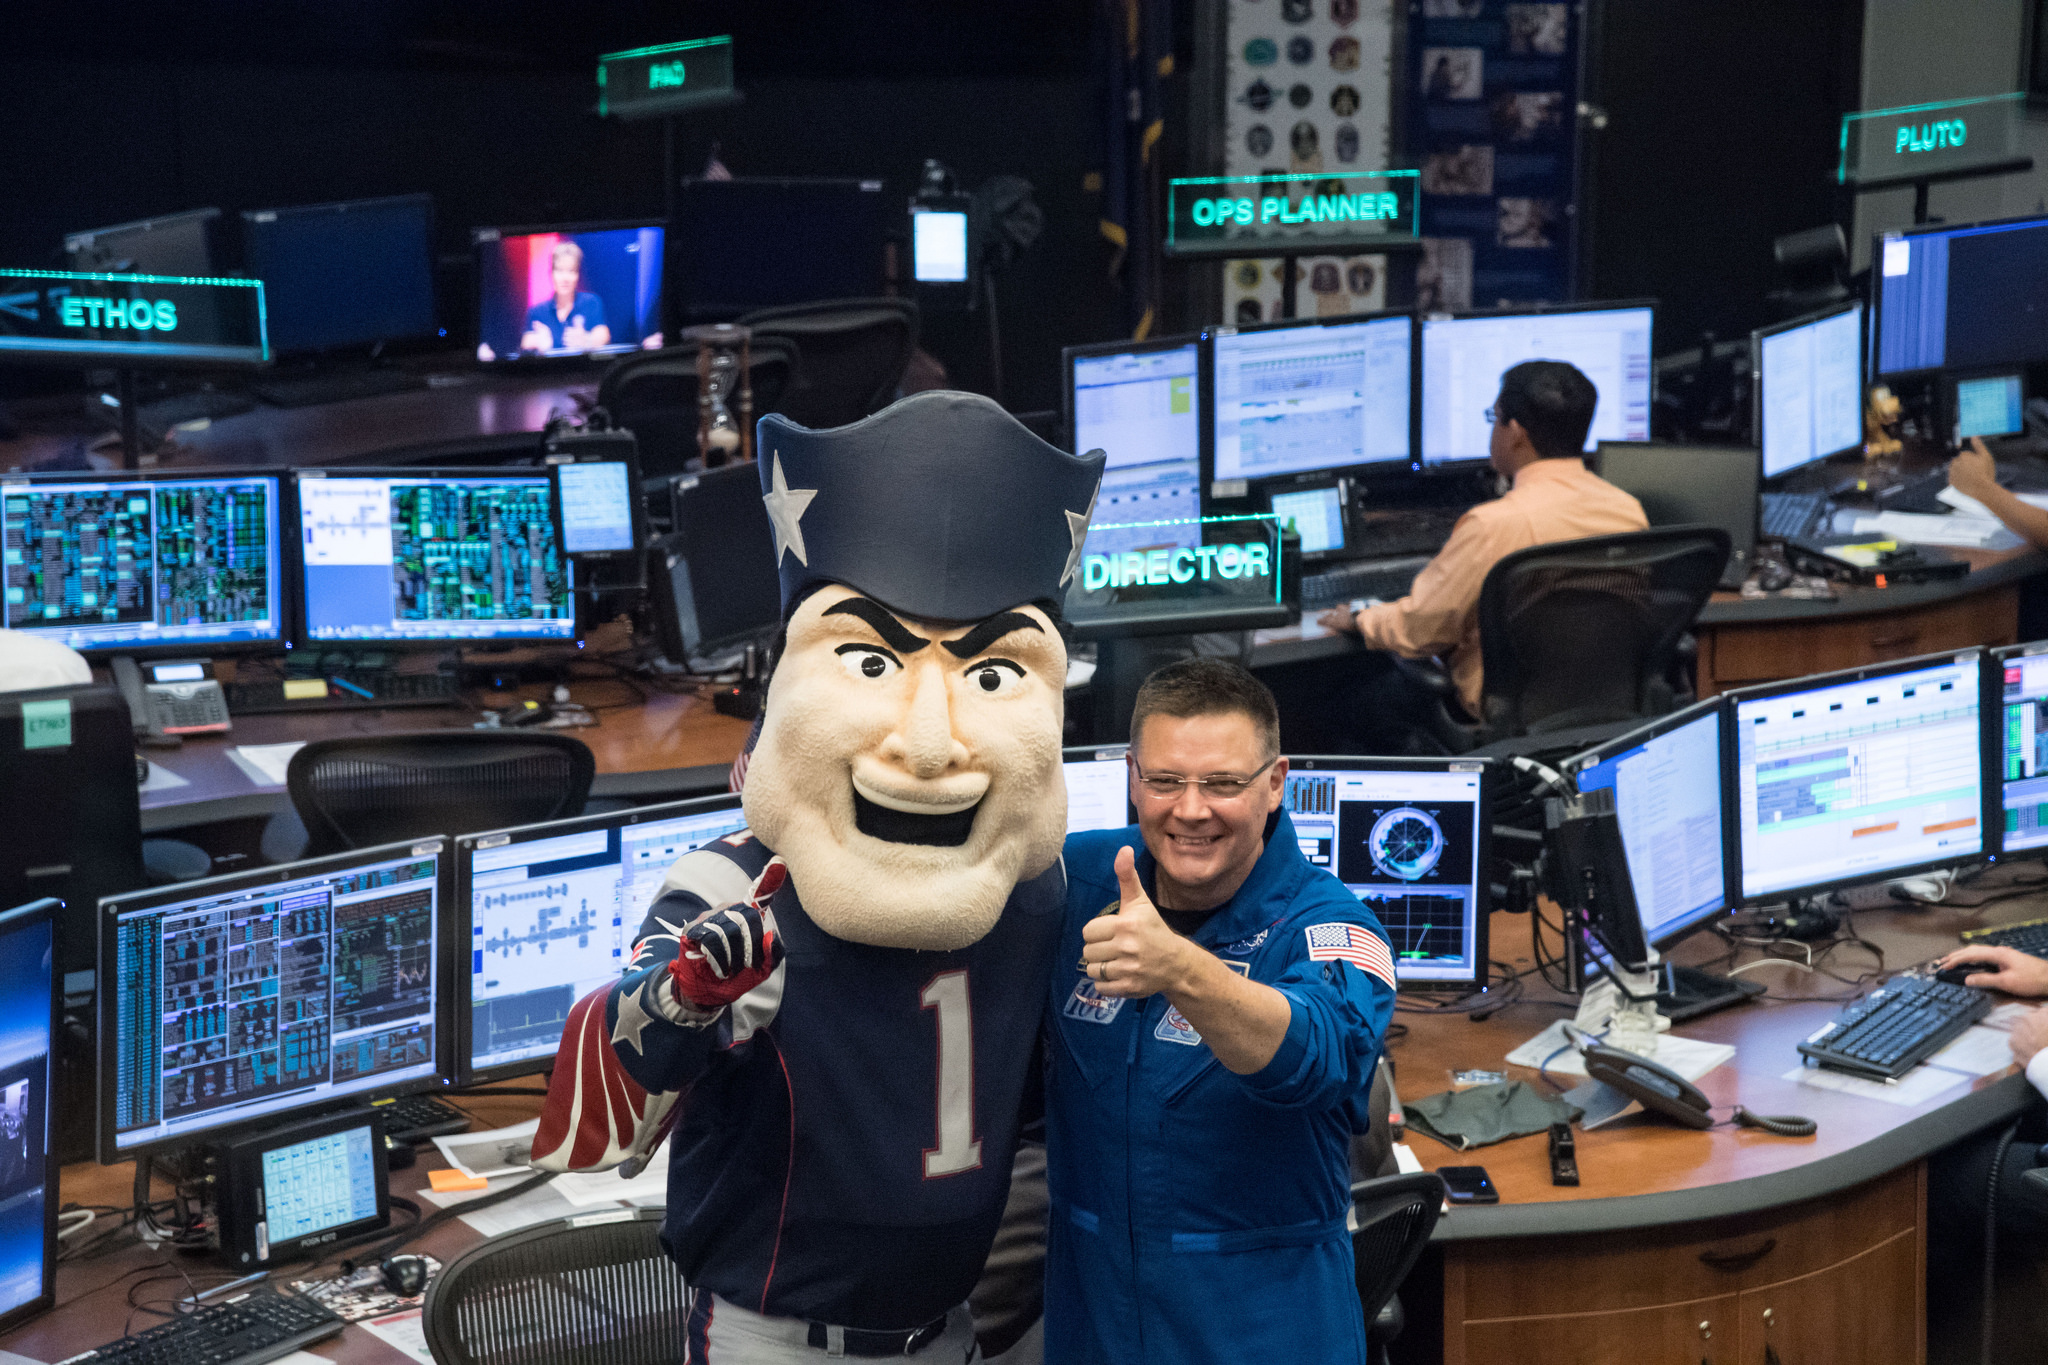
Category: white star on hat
<point>1077,527</point>
<point>786,507</point>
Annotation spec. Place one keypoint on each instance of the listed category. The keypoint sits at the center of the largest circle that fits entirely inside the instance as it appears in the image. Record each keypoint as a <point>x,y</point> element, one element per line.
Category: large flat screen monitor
<point>431,557</point>
<point>1408,837</point>
<point>1139,402</point>
<point>1311,397</point>
<point>1858,775</point>
<point>1809,388</point>
<point>1464,357</point>
<point>713,578</point>
<point>240,999</point>
<point>120,565</point>
<point>552,912</point>
<point>344,275</point>
<point>2019,733</point>
<point>1961,298</point>
<point>1098,787</point>
<point>760,242</point>
<point>28,1161</point>
<point>1666,779</point>
<point>589,290</point>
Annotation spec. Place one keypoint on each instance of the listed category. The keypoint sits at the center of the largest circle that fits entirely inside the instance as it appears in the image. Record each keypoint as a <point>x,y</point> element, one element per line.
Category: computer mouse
<point>1772,576</point>
<point>1959,974</point>
<point>405,1276</point>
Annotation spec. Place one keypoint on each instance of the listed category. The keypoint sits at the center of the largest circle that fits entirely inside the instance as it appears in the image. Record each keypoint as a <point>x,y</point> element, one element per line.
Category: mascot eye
<point>860,662</point>
<point>996,676</point>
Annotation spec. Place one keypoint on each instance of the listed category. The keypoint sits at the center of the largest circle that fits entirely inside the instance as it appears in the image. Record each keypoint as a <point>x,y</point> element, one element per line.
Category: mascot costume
<point>835,1010</point>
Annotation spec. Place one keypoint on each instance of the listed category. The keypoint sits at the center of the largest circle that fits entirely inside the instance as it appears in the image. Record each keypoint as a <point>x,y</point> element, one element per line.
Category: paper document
<point>1969,506</point>
<point>584,1188</point>
<point>265,764</point>
<point>1688,1057</point>
<point>1976,1051</point>
<point>537,1205</point>
<point>1956,530</point>
<point>404,1332</point>
<point>161,779</point>
<point>501,1151</point>
<point>1916,1087</point>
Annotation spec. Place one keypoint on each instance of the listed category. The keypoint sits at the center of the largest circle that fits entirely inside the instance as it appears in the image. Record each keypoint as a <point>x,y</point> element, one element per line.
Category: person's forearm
<point>2025,519</point>
<point>1242,1022</point>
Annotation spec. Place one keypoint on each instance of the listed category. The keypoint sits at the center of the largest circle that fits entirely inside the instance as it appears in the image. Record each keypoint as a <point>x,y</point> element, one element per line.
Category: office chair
<point>1811,266</point>
<point>851,354</point>
<point>1394,1217</point>
<point>653,394</point>
<point>363,790</point>
<point>564,1292</point>
<point>1581,633</point>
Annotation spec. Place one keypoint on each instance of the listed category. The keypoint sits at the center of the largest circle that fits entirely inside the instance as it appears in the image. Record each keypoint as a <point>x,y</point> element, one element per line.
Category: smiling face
<point>1205,846</point>
<point>910,774</point>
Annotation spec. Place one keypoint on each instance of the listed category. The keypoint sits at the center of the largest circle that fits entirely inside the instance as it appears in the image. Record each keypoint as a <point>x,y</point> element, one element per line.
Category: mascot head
<point>908,767</point>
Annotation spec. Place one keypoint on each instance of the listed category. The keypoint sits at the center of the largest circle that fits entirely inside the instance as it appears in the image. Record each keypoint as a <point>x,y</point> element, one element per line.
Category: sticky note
<point>448,1180</point>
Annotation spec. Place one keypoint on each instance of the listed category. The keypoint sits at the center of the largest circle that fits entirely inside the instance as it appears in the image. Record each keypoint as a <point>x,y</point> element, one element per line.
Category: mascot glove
<point>731,950</point>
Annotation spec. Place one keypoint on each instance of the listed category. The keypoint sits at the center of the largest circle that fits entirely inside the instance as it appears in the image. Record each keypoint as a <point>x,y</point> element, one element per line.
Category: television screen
<point>568,291</point>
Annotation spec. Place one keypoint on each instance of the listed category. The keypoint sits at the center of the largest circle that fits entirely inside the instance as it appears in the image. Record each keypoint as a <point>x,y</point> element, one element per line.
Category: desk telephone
<point>181,697</point>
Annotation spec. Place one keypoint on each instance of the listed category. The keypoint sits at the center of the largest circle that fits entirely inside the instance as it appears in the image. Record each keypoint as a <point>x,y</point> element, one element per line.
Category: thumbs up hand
<point>1132,952</point>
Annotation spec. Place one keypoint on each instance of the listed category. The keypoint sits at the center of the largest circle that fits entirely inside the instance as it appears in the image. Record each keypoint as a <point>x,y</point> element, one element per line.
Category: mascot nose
<point>923,739</point>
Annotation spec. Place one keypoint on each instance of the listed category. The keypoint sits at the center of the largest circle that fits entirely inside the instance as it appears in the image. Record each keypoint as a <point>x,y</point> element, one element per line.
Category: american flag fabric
<point>1353,943</point>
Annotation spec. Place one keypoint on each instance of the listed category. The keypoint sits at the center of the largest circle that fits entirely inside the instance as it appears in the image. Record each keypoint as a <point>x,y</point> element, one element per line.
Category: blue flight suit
<point>1199,1215</point>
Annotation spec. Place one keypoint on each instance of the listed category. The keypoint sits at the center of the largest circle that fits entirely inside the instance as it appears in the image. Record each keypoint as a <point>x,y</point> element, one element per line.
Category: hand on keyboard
<point>1340,620</point>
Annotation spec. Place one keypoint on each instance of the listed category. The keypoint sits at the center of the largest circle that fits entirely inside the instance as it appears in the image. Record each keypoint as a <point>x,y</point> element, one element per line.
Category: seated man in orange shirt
<point>1540,423</point>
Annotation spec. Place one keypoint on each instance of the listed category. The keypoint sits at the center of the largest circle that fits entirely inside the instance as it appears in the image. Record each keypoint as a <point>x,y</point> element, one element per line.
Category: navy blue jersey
<point>842,1143</point>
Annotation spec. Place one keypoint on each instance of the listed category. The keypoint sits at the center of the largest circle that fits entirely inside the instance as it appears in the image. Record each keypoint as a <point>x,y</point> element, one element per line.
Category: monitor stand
<point>1689,992</point>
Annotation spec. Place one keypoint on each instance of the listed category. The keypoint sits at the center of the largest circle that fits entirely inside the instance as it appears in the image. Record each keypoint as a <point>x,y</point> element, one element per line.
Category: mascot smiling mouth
<point>896,821</point>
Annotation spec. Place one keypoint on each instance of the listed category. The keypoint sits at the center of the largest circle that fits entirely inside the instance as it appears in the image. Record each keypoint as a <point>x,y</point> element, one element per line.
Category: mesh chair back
<point>564,1292</point>
<point>361,791</point>
<point>1395,1215</point>
<point>653,394</point>
<point>851,354</point>
<point>1580,632</point>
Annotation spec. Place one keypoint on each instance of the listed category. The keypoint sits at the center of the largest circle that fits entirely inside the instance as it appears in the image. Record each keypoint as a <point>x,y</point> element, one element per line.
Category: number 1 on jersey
<point>959,1149</point>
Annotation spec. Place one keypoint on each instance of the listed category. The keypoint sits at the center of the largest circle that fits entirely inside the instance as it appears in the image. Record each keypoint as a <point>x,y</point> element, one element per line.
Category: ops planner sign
<point>1281,209</point>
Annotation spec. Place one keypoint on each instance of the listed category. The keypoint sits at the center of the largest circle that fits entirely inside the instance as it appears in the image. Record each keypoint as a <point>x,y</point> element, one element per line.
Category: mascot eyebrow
<point>895,634</point>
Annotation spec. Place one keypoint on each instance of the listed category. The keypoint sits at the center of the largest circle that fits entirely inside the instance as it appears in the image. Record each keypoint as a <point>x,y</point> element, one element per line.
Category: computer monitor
<point>1988,404</point>
<point>550,912</point>
<point>1313,396</point>
<point>1666,780</point>
<point>1464,356</point>
<point>1315,514</point>
<point>1098,787</point>
<point>1858,775</point>
<point>713,578</point>
<point>175,244</point>
<point>1139,402</point>
<point>754,242</point>
<point>113,565</point>
<point>2016,705</point>
<point>589,289</point>
<point>938,245</point>
<point>1408,837</point>
<point>28,1156</point>
<point>1151,564</point>
<point>1963,297</point>
<point>344,275</point>
<point>241,999</point>
<point>431,557</point>
<point>1687,485</point>
<point>1809,388</point>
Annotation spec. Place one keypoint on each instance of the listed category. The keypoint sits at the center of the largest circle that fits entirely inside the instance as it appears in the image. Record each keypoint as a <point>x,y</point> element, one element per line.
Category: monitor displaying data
<point>344,275</point>
<point>1990,405</point>
<point>1098,788</point>
<point>1312,396</point>
<point>433,558</point>
<point>567,291</point>
<point>1314,514</point>
<point>1809,389</point>
<point>553,911</point>
<point>1139,405</point>
<point>2023,747</point>
<point>324,1182</point>
<point>28,1172</point>
<point>1405,837</point>
<point>1853,777</point>
<point>1463,359</point>
<point>126,564</point>
<point>597,507</point>
<point>1148,507</point>
<point>243,998</point>
<point>1666,780</point>
<point>1962,298</point>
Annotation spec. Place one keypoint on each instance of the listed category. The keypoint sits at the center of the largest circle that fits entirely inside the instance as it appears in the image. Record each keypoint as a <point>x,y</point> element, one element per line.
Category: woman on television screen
<point>573,320</point>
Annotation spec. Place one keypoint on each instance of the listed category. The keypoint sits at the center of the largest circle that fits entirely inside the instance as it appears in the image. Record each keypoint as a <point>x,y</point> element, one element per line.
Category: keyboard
<point>313,390</point>
<point>1405,531</point>
<point>1891,1031</point>
<point>1786,515</point>
<point>1380,579</point>
<point>414,1118</point>
<point>2029,936</point>
<point>260,1326</point>
<point>345,692</point>
<point>1916,494</point>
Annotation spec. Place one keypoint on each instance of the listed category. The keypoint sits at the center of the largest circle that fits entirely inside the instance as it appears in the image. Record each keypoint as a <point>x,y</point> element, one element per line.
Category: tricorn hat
<point>941,506</point>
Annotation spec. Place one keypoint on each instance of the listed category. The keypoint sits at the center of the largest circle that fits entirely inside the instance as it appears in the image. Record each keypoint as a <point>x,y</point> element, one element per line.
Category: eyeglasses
<point>1217,786</point>
<point>1488,415</point>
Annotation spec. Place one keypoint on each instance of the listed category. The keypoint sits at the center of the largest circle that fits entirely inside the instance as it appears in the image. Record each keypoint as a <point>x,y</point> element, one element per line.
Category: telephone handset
<point>180,697</point>
<point>1656,1088</point>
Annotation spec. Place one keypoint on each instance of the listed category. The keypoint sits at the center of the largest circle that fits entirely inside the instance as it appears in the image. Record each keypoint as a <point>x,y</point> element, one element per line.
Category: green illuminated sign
<point>1918,140</point>
<point>1148,575</point>
<point>46,724</point>
<point>667,79</point>
<point>1158,568</point>
<point>1348,209</point>
<point>140,321</point>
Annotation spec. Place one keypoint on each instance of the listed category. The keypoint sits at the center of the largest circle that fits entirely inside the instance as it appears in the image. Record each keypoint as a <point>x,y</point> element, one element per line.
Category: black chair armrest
<point>1388,1324</point>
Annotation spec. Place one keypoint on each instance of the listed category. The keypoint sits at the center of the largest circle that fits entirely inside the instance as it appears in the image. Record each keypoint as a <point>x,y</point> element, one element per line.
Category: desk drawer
<point>1737,655</point>
<point>1656,1267</point>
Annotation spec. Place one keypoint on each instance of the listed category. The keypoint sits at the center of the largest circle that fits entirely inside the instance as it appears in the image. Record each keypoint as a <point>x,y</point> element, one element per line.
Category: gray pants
<point>721,1332</point>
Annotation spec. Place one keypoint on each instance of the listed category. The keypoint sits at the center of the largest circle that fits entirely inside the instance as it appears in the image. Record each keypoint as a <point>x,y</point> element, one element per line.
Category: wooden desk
<point>1672,1228</point>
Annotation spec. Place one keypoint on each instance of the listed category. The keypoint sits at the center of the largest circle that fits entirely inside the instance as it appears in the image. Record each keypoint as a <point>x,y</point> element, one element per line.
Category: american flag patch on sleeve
<point>1353,943</point>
